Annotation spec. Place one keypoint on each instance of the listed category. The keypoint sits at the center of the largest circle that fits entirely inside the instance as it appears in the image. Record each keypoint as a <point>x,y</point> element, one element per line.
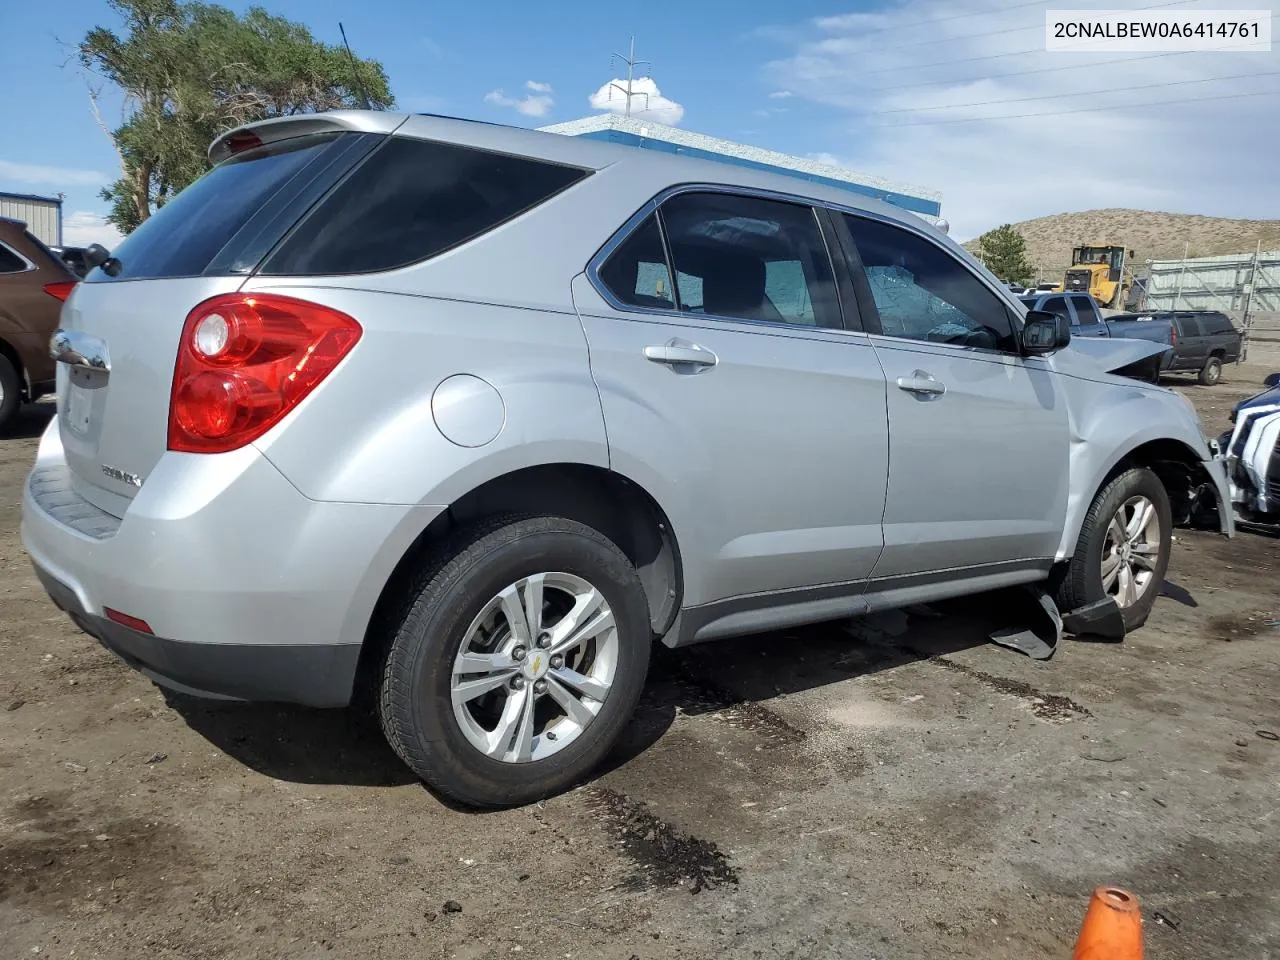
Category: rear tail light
<point>246,360</point>
<point>60,289</point>
<point>1173,334</point>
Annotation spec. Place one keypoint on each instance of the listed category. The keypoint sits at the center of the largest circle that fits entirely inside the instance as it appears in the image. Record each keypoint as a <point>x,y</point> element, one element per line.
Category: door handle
<point>677,354</point>
<point>922,384</point>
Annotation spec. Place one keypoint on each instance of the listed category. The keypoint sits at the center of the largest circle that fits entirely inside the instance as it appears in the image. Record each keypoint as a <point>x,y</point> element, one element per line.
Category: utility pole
<point>631,62</point>
<point>1247,321</point>
<point>1182,272</point>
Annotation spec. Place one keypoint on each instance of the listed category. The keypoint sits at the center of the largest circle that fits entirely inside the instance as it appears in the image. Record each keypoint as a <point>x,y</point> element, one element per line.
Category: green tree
<point>1004,251</point>
<point>191,71</point>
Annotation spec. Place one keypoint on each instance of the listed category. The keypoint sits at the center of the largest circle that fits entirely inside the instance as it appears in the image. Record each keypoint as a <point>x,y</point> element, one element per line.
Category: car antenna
<point>355,72</point>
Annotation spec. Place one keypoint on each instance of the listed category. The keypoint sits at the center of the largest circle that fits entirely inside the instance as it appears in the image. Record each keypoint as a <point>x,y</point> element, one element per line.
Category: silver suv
<point>472,415</point>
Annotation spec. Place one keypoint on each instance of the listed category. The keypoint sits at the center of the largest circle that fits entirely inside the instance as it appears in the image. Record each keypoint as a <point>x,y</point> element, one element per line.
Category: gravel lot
<point>898,789</point>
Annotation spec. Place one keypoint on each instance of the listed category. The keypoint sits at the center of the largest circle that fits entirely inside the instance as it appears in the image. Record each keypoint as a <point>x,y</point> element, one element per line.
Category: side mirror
<point>95,255</point>
<point>1044,333</point>
<point>1272,380</point>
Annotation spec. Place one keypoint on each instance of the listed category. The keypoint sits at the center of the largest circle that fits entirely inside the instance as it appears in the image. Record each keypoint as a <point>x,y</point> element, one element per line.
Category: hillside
<point>1151,235</point>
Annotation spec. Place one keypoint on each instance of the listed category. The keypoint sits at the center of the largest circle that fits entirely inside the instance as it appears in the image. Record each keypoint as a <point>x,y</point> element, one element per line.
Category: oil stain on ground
<point>58,854</point>
<point>663,855</point>
<point>1046,706</point>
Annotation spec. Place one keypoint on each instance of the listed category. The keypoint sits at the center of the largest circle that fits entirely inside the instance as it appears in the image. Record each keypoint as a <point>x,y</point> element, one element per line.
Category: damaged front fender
<point>1115,421</point>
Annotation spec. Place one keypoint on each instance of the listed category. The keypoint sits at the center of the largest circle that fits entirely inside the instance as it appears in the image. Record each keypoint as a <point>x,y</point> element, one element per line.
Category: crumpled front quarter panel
<point>1108,418</point>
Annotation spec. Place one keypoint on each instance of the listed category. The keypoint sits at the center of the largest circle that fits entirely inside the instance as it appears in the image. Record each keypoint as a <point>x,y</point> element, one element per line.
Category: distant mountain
<point>1150,234</point>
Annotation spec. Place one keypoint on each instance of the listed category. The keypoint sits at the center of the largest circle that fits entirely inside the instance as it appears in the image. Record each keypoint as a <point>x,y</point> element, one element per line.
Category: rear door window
<point>636,272</point>
<point>182,238</point>
<point>414,199</point>
<point>1217,323</point>
<point>1190,326</point>
<point>750,258</point>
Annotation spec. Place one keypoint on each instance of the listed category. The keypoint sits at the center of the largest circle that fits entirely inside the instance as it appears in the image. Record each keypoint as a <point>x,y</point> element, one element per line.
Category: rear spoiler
<point>286,128</point>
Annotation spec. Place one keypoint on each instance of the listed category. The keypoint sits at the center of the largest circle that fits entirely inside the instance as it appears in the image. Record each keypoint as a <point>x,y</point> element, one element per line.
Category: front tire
<point>519,662</point>
<point>1211,373</point>
<point>1123,549</point>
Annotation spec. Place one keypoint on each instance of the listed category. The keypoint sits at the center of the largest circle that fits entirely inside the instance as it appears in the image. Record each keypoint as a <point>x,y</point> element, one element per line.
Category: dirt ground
<point>899,788</point>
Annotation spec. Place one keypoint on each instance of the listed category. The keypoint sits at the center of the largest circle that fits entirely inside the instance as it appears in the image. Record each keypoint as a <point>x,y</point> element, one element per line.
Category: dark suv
<point>33,283</point>
<point>1203,341</point>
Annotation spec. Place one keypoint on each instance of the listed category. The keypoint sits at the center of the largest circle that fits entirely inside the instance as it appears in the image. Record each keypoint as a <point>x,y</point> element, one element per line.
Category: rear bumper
<point>250,589</point>
<point>310,674</point>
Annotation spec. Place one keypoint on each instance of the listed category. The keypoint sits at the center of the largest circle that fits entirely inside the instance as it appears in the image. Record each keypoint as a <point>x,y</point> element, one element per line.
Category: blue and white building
<point>655,136</point>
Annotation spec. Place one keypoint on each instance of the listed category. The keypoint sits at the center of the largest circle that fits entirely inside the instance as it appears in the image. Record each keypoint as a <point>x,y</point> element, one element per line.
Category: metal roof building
<point>655,136</point>
<point>42,215</point>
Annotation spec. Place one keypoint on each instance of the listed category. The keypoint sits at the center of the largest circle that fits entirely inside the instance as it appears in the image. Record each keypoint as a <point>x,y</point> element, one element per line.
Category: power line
<point>1027,73</point>
<point>1021,53</point>
<point>996,33</point>
<point>1063,113</point>
<point>1081,93</point>
<point>954,16</point>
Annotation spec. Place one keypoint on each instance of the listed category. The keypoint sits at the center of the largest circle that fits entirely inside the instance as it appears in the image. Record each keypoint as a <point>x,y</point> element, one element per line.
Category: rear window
<point>413,199</point>
<point>183,237</point>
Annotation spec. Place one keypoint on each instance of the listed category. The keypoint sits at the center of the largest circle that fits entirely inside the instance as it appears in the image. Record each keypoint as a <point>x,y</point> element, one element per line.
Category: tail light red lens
<point>61,289</point>
<point>1173,334</point>
<point>246,360</point>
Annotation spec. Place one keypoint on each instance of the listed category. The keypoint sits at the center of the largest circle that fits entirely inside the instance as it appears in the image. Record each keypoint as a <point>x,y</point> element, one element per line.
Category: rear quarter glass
<point>207,227</point>
<point>411,200</point>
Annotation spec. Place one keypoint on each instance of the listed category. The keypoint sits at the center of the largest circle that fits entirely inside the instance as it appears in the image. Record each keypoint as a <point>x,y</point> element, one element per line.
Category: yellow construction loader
<point>1098,269</point>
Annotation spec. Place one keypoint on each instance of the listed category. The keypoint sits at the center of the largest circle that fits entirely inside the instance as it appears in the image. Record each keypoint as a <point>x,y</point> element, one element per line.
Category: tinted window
<point>923,293</point>
<point>1085,309</point>
<point>414,199</point>
<point>182,237</point>
<point>10,262</point>
<point>750,258</point>
<point>636,272</point>
<point>1190,326</point>
<point>1217,323</point>
<point>1057,305</point>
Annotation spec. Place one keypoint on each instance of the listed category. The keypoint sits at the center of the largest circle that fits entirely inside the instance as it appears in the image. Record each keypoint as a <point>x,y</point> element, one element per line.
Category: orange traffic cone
<point>1112,928</point>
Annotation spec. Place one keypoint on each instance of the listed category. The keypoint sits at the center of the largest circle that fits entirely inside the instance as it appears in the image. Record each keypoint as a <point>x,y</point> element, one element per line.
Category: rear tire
<point>1211,373</point>
<point>10,392</point>
<point>464,631</point>
<point>1107,560</point>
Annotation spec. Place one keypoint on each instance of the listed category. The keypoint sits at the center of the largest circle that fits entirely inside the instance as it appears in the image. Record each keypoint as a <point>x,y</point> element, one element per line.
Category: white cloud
<point>647,101</point>
<point>781,95</point>
<point>913,103</point>
<point>54,176</point>
<point>828,158</point>
<point>537,103</point>
<point>82,228</point>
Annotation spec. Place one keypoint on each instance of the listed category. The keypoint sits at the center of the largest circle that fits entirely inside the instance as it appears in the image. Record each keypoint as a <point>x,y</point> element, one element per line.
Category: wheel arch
<point>10,353</point>
<point>604,499</point>
<point>1174,461</point>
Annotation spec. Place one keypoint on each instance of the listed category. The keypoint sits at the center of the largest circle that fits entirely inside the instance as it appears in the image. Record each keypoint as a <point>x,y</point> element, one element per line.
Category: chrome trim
<point>79,350</point>
<point>13,273</point>
<point>621,235</point>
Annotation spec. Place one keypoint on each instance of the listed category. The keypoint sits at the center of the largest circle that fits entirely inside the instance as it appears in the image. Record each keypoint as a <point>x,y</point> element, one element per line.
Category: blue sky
<point>933,92</point>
